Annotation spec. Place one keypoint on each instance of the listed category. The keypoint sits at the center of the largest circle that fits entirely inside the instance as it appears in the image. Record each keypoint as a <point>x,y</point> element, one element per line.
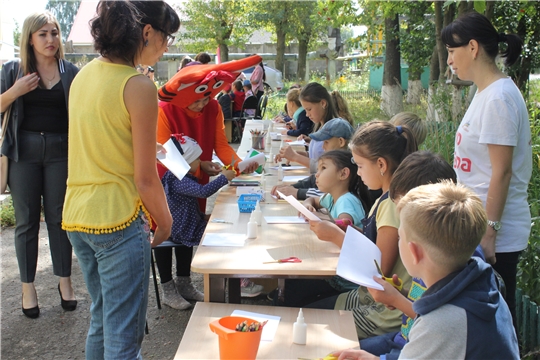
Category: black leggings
<point>163,257</point>
<point>506,266</point>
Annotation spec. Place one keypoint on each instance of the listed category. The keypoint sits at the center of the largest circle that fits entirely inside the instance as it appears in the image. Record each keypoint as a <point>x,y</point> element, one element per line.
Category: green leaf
<point>480,6</point>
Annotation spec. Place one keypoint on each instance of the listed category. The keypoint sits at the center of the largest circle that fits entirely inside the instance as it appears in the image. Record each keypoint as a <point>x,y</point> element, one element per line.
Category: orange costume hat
<point>195,82</point>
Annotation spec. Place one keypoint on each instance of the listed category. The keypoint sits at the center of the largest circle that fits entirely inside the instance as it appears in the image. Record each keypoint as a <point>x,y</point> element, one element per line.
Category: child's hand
<point>389,295</point>
<point>284,132</point>
<point>352,354</point>
<point>310,208</point>
<point>291,125</point>
<point>279,119</point>
<point>250,168</point>
<point>285,189</point>
<point>327,231</point>
<point>160,149</point>
<point>287,152</point>
<point>229,174</point>
<point>306,138</point>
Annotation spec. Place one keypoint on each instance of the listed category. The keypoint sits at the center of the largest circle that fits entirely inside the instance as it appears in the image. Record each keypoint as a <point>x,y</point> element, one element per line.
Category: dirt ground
<point>58,334</point>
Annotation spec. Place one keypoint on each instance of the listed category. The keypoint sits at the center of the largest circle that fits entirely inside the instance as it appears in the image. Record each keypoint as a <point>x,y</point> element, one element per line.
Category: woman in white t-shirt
<point>493,153</point>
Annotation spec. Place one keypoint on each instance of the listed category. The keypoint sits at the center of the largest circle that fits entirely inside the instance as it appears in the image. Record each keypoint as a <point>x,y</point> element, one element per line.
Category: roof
<point>80,31</point>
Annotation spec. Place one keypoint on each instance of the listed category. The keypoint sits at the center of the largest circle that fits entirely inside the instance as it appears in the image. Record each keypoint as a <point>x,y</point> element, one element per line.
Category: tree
<point>521,18</point>
<point>16,34</point>
<point>215,24</point>
<point>417,44</point>
<point>65,12</point>
<point>308,28</point>
<point>392,94</point>
<point>279,17</point>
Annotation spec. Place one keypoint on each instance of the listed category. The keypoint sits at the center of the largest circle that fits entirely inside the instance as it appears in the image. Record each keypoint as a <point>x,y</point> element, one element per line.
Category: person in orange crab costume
<point>187,106</point>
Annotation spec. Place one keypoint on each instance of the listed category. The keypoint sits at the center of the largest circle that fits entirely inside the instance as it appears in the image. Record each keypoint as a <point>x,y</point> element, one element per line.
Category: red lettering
<point>466,165</point>
<point>458,138</point>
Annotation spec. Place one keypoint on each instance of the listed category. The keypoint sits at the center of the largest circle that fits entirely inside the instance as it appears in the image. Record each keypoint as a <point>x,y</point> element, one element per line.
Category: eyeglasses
<point>170,38</point>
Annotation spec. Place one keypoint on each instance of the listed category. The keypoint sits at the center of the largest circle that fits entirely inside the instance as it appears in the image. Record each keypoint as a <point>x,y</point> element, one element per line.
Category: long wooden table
<point>327,330</point>
<point>274,241</point>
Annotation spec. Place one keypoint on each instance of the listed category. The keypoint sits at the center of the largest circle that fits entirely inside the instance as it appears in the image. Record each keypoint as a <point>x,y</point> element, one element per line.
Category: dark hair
<point>342,159</point>
<point>185,60</point>
<point>420,168</point>
<point>475,26</point>
<point>377,139</point>
<point>264,71</point>
<point>237,85</point>
<point>315,93</point>
<point>117,28</point>
<point>203,58</point>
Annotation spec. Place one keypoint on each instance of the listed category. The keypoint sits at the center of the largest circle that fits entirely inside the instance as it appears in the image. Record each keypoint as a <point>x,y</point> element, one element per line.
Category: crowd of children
<point>442,243</point>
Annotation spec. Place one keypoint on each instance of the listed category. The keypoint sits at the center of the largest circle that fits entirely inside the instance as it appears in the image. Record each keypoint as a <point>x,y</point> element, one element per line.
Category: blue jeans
<point>381,345</point>
<point>116,269</point>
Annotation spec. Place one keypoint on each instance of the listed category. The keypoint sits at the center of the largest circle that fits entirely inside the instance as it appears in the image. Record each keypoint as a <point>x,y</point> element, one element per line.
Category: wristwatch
<point>495,225</point>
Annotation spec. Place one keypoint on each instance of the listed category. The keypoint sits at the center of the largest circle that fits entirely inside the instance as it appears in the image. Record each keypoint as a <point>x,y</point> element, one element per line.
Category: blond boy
<point>461,315</point>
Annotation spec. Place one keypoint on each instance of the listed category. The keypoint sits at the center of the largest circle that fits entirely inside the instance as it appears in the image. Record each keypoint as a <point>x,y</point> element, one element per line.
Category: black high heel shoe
<point>32,313</point>
<point>68,305</point>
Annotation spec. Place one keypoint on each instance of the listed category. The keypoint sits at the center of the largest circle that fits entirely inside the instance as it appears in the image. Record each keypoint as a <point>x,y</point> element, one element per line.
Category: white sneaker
<point>171,297</point>
<point>249,288</point>
<point>185,287</point>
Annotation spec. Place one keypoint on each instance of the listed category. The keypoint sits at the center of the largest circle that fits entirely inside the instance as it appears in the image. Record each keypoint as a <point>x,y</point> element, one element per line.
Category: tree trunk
<point>280,49</point>
<point>224,52</point>
<point>490,9</point>
<point>457,104</point>
<point>441,50</point>
<point>414,91</point>
<point>434,66</point>
<point>302,55</point>
<point>392,94</point>
<point>463,7</point>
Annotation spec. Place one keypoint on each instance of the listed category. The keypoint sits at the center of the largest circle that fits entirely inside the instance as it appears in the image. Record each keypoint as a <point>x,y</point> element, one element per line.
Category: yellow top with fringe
<point>101,195</point>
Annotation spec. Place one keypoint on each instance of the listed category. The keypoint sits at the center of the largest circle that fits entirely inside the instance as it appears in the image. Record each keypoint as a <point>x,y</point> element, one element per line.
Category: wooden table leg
<point>216,287</point>
<point>234,291</point>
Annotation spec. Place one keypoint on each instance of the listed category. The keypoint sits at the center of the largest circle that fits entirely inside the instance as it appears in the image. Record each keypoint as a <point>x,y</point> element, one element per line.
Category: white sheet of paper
<point>285,220</point>
<point>223,239</point>
<point>216,159</point>
<point>173,160</point>
<point>259,158</point>
<point>299,206</point>
<point>297,143</point>
<point>286,168</point>
<point>356,259</point>
<point>269,330</point>
<point>293,178</point>
<point>275,136</point>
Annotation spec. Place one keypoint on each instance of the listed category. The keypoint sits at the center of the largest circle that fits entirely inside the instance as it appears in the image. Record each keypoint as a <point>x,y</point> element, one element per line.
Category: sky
<point>20,9</point>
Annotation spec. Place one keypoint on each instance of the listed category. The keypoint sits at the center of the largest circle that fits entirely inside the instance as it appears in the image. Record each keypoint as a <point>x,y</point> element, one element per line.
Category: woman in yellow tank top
<point>113,183</point>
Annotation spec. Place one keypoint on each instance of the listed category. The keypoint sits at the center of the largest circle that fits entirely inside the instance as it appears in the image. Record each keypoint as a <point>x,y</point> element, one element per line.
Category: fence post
<point>534,325</point>
<point>519,307</point>
<point>526,322</point>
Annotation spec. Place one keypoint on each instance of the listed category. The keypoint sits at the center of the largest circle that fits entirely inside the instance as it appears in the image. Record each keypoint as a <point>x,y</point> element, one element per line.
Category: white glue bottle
<point>299,331</point>
<point>257,214</point>
<point>251,228</point>
<point>268,138</point>
<point>280,173</point>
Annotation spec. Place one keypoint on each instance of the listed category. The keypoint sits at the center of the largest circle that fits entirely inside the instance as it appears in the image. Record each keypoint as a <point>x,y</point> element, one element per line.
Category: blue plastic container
<point>247,202</point>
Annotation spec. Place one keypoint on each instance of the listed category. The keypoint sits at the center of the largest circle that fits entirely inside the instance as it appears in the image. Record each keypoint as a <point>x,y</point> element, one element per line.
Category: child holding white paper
<point>188,225</point>
<point>345,202</point>
<point>378,148</point>
<point>419,168</point>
